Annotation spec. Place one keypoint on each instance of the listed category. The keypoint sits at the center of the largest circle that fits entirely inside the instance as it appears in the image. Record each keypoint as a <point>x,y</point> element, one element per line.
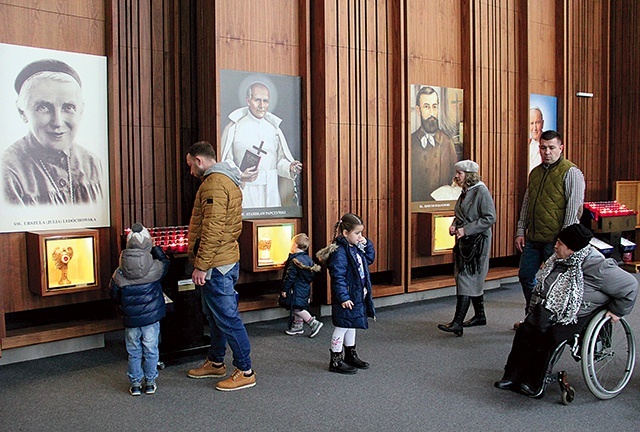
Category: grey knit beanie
<point>139,238</point>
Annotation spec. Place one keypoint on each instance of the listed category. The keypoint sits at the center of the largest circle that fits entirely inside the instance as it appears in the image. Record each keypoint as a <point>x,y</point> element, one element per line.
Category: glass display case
<point>62,262</point>
<point>265,244</point>
<point>433,233</point>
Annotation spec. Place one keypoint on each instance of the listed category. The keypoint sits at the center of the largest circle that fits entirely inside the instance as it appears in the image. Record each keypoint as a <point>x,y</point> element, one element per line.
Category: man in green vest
<point>552,202</point>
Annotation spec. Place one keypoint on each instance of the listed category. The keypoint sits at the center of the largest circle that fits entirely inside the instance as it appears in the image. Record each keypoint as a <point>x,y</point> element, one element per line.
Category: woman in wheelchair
<point>572,285</point>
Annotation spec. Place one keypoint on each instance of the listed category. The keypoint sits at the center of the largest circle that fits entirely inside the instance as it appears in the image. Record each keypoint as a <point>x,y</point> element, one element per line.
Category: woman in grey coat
<point>475,213</point>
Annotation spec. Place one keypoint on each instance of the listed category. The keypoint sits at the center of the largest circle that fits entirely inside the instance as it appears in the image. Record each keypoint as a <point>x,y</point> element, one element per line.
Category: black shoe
<point>452,327</point>
<point>150,388</point>
<point>527,390</point>
<point>135,389</point>
<point>505,384</point>
<point>479,318</point>
<point>475,321</point>
<point>455,326</point>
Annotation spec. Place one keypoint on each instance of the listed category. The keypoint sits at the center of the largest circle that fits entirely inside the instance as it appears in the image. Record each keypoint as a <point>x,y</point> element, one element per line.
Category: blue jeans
<point>533,255</point>
<point>220,306</point>
<point>142,346</point>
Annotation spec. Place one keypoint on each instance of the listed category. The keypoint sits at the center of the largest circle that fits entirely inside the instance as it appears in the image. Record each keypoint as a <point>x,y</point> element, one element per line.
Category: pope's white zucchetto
<point>466,166</point>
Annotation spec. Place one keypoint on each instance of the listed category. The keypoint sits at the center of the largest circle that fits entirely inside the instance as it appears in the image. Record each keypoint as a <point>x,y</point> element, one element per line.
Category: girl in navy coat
<point>348,259</point>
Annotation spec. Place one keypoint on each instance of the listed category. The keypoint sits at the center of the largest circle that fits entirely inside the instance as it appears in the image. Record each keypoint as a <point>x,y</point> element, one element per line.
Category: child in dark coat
<point>348,259</point>
<point>135,285</point>
<point>299,271</point>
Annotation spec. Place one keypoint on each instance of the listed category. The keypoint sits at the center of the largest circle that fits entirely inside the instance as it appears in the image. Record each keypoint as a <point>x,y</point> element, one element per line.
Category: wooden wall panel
<point>246,20</point>
<point>88,9</point>
<point>144,43</point>
<point>261,36</point>
<point>362,148</point>
<point>60,25</point>
<point>624,106</point>
<point>434,48</point>
<point>587,119</point>
<point>72,25</point>
<point>498,106</point>
<point>236,37</point>
<point>543,37</point>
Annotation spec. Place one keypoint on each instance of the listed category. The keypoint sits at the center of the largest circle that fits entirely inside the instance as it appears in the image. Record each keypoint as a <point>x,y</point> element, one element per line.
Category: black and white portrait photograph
<point>54,152</point>
<point>260,123</point>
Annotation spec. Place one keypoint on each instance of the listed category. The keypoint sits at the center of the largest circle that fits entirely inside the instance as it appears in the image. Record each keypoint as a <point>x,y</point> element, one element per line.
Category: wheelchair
<point>607,353</point>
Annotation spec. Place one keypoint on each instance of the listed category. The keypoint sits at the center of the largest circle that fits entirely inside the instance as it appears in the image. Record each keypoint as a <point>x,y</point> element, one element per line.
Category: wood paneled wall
<point>146,101</point>
<point>358,137</point>
<point>498,111</point>
<point>586,120</point>
<point>545,47</point>
<point>357,59</point>
<point>67,25</point>
<point>265,36</point>
<point>624,106</point>
<point>437,53</point>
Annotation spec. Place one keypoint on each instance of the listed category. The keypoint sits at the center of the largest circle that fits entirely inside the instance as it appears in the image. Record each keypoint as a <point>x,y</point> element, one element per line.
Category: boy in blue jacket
<point>299,271</point>
<point>135,285</point>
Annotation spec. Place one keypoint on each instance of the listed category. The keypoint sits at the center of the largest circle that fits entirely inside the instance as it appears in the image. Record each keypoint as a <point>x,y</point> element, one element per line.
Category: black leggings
<point>532,350</point>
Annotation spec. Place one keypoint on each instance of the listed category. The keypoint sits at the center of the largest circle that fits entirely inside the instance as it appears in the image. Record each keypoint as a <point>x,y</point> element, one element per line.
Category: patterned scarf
<point>565,293</point>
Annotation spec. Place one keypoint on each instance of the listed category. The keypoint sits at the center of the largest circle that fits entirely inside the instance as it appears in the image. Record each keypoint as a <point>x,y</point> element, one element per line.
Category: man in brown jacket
<point>216,223</point>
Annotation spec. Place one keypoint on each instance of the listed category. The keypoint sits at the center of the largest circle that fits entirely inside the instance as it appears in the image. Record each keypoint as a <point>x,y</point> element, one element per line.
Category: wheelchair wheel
<point>568,395</point>
<point>608,356</point>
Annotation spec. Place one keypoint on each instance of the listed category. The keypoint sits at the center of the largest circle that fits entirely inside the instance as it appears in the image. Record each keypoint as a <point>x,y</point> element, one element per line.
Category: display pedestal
<point>182,329</point>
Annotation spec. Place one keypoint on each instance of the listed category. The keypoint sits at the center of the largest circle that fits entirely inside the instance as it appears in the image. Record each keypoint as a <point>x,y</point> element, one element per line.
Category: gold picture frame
<point>62,262</point>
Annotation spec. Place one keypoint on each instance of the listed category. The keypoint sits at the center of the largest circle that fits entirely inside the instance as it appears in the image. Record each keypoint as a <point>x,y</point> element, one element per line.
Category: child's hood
<point>324,253</point>
<point>137,267</point>
<point>298,261</point>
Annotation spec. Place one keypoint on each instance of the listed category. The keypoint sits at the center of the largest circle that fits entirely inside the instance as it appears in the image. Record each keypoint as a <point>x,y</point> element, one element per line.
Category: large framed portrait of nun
<point>54,157</point>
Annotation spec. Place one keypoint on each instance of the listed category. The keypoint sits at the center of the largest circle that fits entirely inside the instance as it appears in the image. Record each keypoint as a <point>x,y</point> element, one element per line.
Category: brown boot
<point>208,370</point>
<point>237,381</point>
